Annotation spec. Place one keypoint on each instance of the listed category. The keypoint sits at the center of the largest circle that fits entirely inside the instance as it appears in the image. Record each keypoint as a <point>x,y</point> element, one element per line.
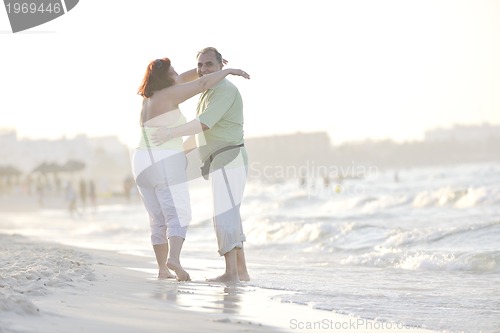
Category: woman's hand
<point>239,72</point>
<point>161,135</point>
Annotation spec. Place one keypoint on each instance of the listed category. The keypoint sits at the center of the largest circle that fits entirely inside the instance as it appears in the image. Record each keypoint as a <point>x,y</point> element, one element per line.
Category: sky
<point>356,69</point>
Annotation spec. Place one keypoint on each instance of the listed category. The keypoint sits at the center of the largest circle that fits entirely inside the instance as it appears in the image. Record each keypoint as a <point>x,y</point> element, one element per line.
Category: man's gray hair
<point>218,56</point>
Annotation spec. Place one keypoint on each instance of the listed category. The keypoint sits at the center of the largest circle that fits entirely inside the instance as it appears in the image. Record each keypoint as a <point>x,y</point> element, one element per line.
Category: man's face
<point>207,63</point>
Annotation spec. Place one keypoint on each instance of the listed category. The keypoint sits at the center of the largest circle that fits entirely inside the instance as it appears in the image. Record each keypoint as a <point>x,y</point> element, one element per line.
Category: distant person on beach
<point>128,183</point>
<point>160,169</point>
<point>92,195</point>
<point>219,129</point>
<point>326,181</point>
<point>71,197</point>
<point>83,193</point>
<point>40,191</point>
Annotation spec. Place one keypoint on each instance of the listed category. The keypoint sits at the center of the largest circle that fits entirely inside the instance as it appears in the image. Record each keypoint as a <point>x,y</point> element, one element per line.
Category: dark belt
<point>205,169</point>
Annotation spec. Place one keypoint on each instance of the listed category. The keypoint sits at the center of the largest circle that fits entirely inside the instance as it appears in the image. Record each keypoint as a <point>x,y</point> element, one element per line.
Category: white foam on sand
<point>54,288</point>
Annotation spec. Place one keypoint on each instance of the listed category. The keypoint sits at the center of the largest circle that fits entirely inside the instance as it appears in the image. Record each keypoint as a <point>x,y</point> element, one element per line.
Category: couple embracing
<point>159,163</point>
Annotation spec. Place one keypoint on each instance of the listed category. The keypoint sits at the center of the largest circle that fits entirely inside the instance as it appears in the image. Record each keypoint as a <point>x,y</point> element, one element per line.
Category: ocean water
<point>423,250</point>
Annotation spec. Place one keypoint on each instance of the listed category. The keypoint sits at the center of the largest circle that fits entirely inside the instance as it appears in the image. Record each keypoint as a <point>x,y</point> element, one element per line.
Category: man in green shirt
<point>221,110</point>
<point>220,140</point>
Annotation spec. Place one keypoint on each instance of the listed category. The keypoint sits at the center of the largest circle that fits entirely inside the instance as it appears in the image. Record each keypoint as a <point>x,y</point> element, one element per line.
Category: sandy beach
<point>53,288</point>
<point>50,287</point>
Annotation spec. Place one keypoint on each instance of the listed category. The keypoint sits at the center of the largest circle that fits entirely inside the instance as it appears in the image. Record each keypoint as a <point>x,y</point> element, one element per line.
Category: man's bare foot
<point>182,275</point>
<point>225,278</point>
<point>165,274</point>
<point>244,276</point>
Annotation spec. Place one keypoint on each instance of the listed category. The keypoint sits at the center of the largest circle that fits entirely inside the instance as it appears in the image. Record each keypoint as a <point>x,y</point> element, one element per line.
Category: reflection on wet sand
<point>198,296</point>
<point>250,305</point>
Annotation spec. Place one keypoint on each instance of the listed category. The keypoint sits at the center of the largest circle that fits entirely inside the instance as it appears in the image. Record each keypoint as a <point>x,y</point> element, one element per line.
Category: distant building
<point>461,133</point>
<point>293,149</point>
<point>288,156</point>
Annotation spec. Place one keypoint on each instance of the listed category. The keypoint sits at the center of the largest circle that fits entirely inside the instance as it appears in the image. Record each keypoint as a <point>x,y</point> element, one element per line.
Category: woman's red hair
<point>156,78</point>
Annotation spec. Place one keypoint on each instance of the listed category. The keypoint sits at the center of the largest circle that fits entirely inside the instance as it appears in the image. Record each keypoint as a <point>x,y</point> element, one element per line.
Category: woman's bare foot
<point>182,275</point>
<point>225,278</point>
<point>165,274</point>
